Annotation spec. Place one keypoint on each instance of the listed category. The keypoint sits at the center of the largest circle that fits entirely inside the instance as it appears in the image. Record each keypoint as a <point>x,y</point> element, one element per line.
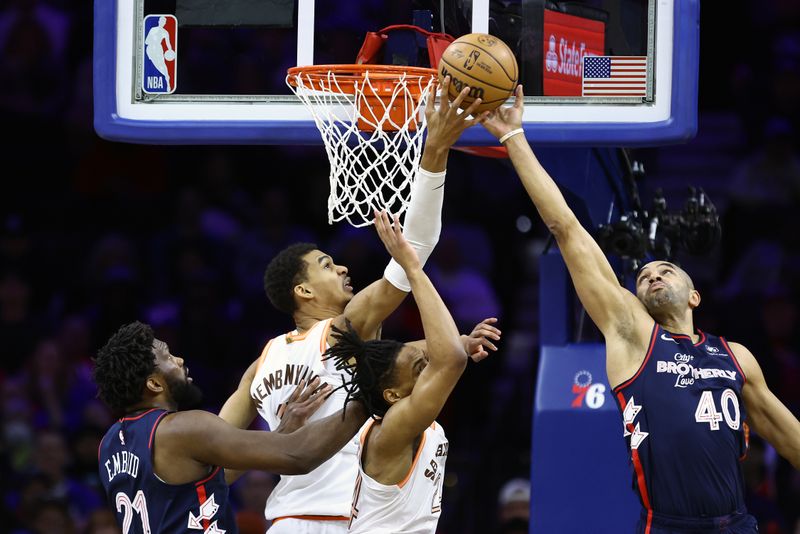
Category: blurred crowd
<point>95,234</point>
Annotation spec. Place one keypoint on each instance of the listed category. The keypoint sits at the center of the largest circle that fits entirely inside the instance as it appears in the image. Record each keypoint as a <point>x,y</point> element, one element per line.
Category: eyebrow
<point>662,264</point>
<point>323,258</point>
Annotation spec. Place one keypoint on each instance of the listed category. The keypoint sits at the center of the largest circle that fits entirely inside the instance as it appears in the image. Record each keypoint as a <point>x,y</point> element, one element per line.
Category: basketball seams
<point>504,89</point>
<point>499,64</point>
<point>483,77</point>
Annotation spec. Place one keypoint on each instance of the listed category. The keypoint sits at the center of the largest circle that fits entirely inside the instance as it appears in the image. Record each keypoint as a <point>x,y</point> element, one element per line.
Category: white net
<point>372,127</point>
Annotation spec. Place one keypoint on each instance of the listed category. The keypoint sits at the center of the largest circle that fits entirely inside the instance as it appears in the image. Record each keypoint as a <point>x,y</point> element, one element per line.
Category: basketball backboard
<point>228,65</point>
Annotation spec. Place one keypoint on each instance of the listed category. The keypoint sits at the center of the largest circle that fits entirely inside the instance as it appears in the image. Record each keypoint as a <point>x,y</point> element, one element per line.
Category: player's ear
<point>154,384</point>
<point>391,395</point>
<point>694,298</point>
<point>303,292</point>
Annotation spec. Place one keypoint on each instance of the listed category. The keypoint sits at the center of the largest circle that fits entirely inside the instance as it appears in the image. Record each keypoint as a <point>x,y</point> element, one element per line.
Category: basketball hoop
<point>371,122</point>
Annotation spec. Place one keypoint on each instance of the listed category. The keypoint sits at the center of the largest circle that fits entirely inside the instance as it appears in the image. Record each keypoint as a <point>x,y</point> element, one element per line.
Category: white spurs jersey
<point>285,361</point>
<point>413,505</point>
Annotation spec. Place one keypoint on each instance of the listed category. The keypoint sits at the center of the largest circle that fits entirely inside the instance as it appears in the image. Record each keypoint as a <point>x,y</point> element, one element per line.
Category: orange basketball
<point>485,64</point>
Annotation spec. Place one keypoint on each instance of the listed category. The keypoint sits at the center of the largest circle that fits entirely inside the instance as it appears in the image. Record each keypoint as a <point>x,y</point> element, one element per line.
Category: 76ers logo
<point>593,395</point>
<point>160,54</point>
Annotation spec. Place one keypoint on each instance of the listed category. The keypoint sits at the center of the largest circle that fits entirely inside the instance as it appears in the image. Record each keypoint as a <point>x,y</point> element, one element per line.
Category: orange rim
<point>382,77</point>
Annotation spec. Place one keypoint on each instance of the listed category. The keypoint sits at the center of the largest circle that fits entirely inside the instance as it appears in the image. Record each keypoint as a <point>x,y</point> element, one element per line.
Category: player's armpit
<point>767,415</point>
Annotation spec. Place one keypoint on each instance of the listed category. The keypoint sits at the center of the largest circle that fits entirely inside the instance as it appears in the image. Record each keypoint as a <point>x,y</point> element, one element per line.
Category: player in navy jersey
<point>687,397</point>
<point>162,468</point>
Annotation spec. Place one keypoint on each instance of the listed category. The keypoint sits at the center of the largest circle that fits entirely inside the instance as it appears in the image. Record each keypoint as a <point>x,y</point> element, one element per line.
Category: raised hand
<point>504,119</point>
<point>447,122</point>
<point>304,401</point>
<point>391,233</point>
<point>476,343</point>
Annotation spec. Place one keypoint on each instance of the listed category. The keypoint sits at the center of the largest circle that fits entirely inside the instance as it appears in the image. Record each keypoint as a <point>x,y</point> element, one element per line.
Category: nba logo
<point>160,54</point>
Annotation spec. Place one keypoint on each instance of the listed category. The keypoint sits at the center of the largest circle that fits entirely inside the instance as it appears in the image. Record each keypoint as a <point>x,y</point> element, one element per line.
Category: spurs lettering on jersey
<point>285,361</point>
<point>441,452</point>
<point>291,375</point>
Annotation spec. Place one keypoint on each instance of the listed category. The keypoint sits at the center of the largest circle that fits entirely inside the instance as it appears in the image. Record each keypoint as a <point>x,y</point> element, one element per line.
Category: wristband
<point>510,134</point>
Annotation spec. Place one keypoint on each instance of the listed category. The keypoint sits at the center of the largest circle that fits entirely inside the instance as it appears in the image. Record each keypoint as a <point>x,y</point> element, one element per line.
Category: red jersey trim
<point>153,430</point>
<point>138,416</point>
<point>733,357</point>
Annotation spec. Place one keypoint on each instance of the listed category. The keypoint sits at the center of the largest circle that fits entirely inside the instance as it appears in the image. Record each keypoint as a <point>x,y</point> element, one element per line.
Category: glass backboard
<point>213,71</point>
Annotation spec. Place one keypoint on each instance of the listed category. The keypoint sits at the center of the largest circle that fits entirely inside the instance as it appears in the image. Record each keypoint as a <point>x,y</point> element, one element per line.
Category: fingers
<point>298,391</point>
<point>459,99</point>
<point>472,109</point>
<point>319,397</point>
<point>518,97</point>
<point>478,356</point>
<point>398,230</point>
<point>485,328</point>
<point>389,230</point>
<point>430,106</point>
<point>488,344</point>
<point>380,224</point>
<point>483,117</point>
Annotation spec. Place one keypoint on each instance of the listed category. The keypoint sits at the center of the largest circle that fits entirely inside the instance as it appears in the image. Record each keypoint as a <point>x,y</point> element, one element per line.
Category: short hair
<point>370,365</point>
<point>123,365</point>
<point>285,271</point>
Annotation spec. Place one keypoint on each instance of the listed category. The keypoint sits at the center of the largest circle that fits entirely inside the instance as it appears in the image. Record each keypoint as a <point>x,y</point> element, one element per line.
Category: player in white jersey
<point>305,283</point>
<point>404,386</point>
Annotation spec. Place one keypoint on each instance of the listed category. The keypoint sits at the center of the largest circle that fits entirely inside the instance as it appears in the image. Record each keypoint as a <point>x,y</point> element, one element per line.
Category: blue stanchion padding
<point>580,473</point>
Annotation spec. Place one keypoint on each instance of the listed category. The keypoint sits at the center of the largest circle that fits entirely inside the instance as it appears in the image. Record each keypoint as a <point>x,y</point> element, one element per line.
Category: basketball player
<point>686,396</point>
<point>404,387</point>
<point>305,283</point>
<point>161,467</point>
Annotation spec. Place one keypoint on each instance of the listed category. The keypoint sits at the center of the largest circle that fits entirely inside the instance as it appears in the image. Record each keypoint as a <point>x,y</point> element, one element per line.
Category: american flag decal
<point>614,76</point>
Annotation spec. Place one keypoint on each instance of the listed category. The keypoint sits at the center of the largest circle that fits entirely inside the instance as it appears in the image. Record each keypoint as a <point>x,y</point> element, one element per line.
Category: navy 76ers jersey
<point>144,504</point>
<point>684,423</point>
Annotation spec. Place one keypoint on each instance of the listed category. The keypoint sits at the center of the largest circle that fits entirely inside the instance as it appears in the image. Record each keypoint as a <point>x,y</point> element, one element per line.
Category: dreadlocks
<point>123,365</point>
<point>370,365</point>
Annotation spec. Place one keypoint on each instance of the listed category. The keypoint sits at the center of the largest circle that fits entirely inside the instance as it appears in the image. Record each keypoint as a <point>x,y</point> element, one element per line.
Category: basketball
<point>169,55</point>
<point>485,64</point>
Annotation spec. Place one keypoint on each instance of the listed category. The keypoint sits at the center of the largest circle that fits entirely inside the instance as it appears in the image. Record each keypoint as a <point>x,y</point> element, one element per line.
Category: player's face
<point>179,384</point>
<point>410,362</point>
<point>329,282</point>
<point>660,285</point>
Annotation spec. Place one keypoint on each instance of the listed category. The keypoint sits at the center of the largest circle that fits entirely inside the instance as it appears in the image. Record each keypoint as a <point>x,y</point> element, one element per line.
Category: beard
<point>661,302</point>
<point>185,394</point>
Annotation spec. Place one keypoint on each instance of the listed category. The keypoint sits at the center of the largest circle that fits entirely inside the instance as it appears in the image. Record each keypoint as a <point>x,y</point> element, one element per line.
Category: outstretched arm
<point>423,220</point>
<point>612,308</point>
<point>206,438</point>
<point>304,401</point>
<point>409,417</point>
<point>768,416</point>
